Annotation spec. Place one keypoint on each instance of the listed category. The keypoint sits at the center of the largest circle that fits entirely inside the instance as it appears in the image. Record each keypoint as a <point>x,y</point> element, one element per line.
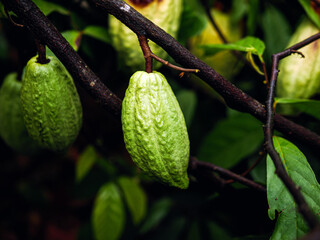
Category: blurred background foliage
<point>63,196</point>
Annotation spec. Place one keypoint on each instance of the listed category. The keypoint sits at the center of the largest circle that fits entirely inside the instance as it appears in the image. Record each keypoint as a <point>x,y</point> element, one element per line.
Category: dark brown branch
<point>146,52</point>
<point>194,164</point>
<point>234,97</point>
<point>268,129</point>
<point>46,33</point>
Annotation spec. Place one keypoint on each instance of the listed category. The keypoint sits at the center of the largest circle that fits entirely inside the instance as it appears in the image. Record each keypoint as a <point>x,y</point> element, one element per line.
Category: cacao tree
<point>171,119</point>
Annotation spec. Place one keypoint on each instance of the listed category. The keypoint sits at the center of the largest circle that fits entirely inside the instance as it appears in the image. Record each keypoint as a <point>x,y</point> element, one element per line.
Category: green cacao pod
<point>12,127</point>
<point>50,104</point>
<point>300,77</point>
<point>164,13</point>
<point>224,62</point>
<point>154,129</point>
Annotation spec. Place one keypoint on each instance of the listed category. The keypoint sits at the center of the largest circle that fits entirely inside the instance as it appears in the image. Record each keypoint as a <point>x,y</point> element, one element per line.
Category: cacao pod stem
<point>42,58</point>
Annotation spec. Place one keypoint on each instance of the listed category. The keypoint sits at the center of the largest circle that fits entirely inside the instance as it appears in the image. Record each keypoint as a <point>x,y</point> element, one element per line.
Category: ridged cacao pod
<point>300,77</point>
<point>164,13</point>
<point>12,127</point>
<point>224,62</point>
<point>50,104</point>
<point>154,129</point>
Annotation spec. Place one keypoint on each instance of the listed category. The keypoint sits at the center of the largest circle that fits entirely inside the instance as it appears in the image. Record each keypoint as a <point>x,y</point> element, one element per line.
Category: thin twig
<point>212,21</point>
<point>166,63</point>
<point>226,173</point>
<point>10,18</point>
<point>262,154</point>
<point>214,24</point>
<point>304,209</point>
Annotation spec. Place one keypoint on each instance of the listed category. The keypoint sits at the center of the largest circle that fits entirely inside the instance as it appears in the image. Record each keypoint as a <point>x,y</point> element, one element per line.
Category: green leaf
<point>253,15</point>
<point>49,7</point>
<point>259,172</point>
<point>135,197</point>
<point>193,20</point>
<point>247,44</point>
<point>217,232</point>
<point>239,10</point>
<point>158,211</point>
<point>312,14</point>
<point>2,12</point>
<point>188,102</point>
<point>194,231</point>
<point>108,216</point>
<point>250,45</point>
<point>231,140</point>
<point>3,47</point>
<point>276,31</point>
<point>311,107</point>
<point>98,32</point>
<point>85,162</point>
<point>290,224</point>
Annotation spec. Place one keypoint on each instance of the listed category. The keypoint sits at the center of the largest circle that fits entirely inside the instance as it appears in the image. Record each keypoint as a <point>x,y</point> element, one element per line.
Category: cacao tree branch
<point>194,164</point>
<point>304,209</point>
<point>234,97</point>
<point>43,30</point>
